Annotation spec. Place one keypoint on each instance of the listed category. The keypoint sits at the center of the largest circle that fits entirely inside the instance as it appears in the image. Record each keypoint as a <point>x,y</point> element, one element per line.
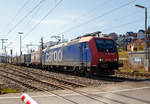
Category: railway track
<point>45,90</point>
<point>51,78</point>
<point>54,82</point>
<point>32,78</point>
<point>29,75</point>
<point>21,82</point>
<point>71,79</point>
<point>74,90</point>
<point>61,81</point>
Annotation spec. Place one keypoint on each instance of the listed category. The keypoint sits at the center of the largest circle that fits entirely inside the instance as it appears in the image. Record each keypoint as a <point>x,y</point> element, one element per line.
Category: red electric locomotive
<point>104,55</point>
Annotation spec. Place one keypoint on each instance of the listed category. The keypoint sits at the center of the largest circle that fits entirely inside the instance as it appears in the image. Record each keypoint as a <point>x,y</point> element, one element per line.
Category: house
<point>137,45</point>
<point>132,34</point>
<point>130,37</point>
<point>141,34</point>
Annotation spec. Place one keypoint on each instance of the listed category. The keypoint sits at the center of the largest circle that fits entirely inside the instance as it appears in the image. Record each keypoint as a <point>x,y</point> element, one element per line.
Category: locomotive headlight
<point>115,59</point>
<point>100,59</point>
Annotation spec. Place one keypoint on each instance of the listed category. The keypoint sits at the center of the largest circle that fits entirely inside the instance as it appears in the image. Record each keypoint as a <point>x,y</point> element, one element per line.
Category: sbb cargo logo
<point>54,56</point>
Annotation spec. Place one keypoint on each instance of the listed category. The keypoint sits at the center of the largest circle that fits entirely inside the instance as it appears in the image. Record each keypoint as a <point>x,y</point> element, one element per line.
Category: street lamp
<point>140,6</point>
<point>20,42</point>
<point>146,47</point>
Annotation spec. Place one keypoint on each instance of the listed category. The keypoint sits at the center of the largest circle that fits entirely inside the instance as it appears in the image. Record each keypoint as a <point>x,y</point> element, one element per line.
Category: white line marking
<point>131,89</point>
<point>124,90</point>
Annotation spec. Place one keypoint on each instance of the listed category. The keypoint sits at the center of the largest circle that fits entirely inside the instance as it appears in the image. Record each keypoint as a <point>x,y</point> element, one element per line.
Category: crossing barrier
<point>27,99</point>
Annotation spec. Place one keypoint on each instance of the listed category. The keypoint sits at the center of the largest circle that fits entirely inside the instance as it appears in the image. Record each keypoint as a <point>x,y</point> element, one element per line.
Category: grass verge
<point>8,90</point>
<point>123,54</point>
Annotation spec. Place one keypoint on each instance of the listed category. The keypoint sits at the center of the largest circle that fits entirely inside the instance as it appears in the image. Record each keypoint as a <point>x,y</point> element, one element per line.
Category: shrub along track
<point>133,74</point>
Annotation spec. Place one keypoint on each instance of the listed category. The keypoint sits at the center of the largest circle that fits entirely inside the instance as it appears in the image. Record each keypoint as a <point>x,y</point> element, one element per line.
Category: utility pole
<point>145,19</point>
<point>42,43</point>
<point>5,51</point>
<point>3,40</point>
<point>20,42</point>
<point>11,52</point>
<point>20,46</point>
<point>42,47</point>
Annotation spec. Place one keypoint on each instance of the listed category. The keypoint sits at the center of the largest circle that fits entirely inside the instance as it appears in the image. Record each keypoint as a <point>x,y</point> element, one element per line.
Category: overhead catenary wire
<point>113,10</point>
<point>120,18</point>
<point>84,14</point>
<point>33,14</point>
<point>48,13</point>
<point>25,16</point>
<point>31,11</point>
<point>98,17</point>
<point>88,12</point>
<point>27,24</point>
<point>123,25</point>
<point>17,14</point>
<point>41,21</point>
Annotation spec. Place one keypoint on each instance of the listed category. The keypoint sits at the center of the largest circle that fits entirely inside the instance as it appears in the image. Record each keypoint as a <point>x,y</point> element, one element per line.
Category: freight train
<point>86,54</point>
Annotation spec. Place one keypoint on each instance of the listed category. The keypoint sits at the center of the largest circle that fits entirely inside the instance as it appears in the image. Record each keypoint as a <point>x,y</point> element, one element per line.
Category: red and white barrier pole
<point>27,99</point>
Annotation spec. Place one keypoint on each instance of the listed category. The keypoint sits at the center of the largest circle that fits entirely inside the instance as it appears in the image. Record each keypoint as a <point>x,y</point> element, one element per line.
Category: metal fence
<point>138,58</point>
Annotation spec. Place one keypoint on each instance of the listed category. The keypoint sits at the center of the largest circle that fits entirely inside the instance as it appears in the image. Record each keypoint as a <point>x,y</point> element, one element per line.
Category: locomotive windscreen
<point>105,45</point>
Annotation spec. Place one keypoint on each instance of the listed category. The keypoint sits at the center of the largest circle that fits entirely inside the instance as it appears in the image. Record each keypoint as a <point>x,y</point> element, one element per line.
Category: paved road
<point>122,93</point>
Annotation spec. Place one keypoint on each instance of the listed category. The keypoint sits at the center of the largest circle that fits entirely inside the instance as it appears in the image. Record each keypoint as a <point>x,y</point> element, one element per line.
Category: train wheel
<point>76,71</point>
<point>88,73</point>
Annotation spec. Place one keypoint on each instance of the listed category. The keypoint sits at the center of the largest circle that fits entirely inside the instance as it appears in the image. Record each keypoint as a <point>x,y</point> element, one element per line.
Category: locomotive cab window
<point>86,45</point>
<point>79,46</point>
<point>104,45</point>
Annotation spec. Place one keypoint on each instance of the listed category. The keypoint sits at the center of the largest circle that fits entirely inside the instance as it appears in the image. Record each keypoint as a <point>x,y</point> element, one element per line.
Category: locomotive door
<point>84,55</point>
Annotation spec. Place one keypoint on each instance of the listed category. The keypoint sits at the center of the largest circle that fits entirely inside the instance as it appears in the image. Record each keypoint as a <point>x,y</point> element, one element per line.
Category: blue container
<point>27,59</point>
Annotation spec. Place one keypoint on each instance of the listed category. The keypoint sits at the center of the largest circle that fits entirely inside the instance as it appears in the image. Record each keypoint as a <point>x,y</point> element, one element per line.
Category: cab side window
<point>86,45</point>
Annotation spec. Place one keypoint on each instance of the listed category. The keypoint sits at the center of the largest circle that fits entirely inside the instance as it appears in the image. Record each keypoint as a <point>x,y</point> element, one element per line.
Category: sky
<point>71,18</point>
